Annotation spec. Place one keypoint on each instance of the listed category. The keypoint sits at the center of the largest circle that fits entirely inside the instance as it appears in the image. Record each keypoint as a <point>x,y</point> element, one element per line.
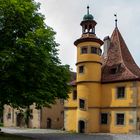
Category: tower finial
<point>88,10</point>
<point>116,20</point>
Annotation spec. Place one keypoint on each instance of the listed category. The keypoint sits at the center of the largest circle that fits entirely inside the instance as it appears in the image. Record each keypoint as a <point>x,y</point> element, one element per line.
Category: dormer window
<point>113,70</point>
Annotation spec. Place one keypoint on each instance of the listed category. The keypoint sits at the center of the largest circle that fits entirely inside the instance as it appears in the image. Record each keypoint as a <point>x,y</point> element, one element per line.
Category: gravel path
<point>48,134</point>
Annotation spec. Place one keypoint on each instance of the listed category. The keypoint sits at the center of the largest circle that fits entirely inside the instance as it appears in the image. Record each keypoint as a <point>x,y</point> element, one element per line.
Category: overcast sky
<point>64,16</point>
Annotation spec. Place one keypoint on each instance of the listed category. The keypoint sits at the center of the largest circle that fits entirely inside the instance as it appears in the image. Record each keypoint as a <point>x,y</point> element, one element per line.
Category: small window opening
<point>94,50</point>
<point>84,50</point>
<point>82,104</point>
<point>81,69</point>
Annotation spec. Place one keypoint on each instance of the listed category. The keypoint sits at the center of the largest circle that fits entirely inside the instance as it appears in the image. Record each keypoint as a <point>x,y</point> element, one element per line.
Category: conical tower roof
<point>119,64</point>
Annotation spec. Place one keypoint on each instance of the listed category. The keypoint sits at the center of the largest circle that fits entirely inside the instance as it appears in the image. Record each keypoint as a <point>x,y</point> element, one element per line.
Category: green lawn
<point>12,137</point>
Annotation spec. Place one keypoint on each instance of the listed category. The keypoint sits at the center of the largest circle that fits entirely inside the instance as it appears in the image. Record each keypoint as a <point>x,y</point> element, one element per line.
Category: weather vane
<point>116,20</point>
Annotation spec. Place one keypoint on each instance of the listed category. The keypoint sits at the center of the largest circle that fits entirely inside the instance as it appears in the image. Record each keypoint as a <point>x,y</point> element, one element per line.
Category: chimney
<point>106,46</point>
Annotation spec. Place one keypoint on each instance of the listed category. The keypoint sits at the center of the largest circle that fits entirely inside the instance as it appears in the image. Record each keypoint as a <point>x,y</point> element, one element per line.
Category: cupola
<point>88,23</point>
<point>88,16</point>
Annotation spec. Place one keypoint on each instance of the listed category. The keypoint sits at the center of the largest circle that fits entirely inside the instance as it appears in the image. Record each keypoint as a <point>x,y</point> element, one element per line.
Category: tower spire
<point>116,20</point>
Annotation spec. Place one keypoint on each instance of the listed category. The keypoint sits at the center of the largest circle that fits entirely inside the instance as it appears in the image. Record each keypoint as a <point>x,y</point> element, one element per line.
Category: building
<point>47,118</point>
<point>106,93</point>
<point>16,118</point>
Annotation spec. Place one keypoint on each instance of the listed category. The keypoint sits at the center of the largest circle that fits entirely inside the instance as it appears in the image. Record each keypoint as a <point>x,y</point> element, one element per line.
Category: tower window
<point>104,118</point>
<point>120,92</point>
<point>81,103</point>
<point>90,28</point>
<point>120,119</point>
<point>84,50</point>
<point>74,94</point>
<point>94,50</point>
<point>81,69</point>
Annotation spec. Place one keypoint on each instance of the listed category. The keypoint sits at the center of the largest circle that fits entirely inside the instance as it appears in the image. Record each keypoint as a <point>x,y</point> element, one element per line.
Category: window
<point>74,94</point>
<point>9,116</point>
<point>81,69</point>
<point>120,92</point>
<point>93,50</point>
<point>82,103</point>
<point>84,50</point>
<point>120,119</point>
<point>104,118</point>
<point>113,70</point>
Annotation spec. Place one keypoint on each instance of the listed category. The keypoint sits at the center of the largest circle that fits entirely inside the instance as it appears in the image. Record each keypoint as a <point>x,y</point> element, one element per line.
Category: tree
<point>30,70</point>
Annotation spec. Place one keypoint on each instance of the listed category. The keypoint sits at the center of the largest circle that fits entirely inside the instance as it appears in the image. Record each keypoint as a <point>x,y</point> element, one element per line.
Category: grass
<point>4,136</point>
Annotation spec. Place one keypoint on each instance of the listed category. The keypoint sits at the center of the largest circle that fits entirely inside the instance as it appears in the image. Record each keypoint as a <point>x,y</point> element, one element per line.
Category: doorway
<point>81,126</point>
<point>49,123</point>
<point>20,120</point>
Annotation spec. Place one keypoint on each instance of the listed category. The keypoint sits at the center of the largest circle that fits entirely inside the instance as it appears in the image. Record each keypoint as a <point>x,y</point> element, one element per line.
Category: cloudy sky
<point>64,16</point>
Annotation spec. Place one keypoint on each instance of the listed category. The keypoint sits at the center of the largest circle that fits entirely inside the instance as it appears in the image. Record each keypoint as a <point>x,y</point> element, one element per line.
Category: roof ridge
<point>120,48</point>
<point>119,43</point>
<point>132,61</point>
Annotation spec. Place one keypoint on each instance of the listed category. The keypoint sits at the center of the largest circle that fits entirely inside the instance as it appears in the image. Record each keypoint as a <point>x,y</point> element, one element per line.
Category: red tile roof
<point>119,64</point>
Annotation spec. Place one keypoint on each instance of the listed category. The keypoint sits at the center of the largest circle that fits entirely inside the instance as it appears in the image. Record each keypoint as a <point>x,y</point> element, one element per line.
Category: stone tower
<point>88,76</point>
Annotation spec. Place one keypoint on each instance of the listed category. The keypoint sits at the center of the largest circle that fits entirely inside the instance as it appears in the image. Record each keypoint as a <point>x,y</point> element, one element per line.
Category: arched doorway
<point>49,123</point>
<point>81,126</point>
<point>20,119</point>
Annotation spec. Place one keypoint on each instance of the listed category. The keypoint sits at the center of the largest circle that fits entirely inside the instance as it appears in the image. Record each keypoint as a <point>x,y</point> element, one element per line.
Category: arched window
<point>86,29</point>
<point>90,28</point>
